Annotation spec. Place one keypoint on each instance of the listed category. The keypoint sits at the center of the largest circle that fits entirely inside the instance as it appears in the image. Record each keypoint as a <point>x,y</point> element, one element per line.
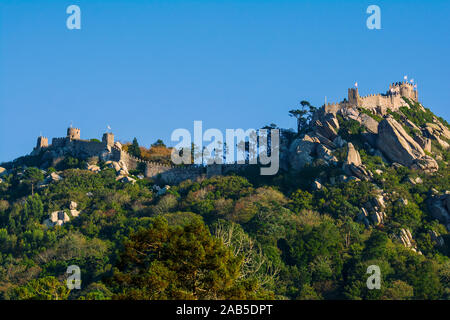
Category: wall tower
<point>108,138</point>
<point>73,133</point>
<point>353,96</point>
<point>42,142</point>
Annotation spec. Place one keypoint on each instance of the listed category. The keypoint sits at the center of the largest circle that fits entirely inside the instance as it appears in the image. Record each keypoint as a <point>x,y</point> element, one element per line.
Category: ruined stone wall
<point>59,142</point>
<point>130,161</point>
<point>175,175</point>
<point>86,149</point>
<point>393,102</point>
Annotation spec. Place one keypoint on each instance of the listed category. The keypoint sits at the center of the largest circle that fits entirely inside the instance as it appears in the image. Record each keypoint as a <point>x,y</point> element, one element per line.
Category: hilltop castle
<point>378,103</point>
<point>109,150</point>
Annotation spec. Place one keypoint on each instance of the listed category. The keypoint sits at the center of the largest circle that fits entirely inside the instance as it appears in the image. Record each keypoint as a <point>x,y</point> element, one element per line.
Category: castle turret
<point>108,138</point>
<point>353,96</point>
<point>42,142</point>
<point>73,134</point>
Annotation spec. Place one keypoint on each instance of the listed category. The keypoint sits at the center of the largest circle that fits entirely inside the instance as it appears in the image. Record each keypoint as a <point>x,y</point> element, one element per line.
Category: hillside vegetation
<point>336,207</point>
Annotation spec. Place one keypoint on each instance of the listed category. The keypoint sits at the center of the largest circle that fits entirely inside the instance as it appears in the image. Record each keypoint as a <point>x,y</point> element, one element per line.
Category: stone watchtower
<point>108,138</point>
<point>353,96</point>
<point>42,142</point>
<point>73,133</point>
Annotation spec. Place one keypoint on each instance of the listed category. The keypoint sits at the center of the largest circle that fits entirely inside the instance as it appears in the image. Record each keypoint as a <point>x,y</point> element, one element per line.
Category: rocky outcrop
<point>436,238</point>
<point>439,207</point>
<point>407,240</point>
<point>396,144</point>
<point>353,156</point>
<point>368,122</point>
<point>56,218</point>
<point>121,170</point>
<point>59,218</point>
<point>365,120</point>
<point>316,185</point>
<point>439,132</point>
<point>426,164</point>
<point>128,180</point>
<point>93,168</point>
<point>424,143</point>
<point>399,147</point>
<point>363,217</point>
<point>353,165</point>
<point>325,154</point>
<point>161,191</point>
<point>327,127</point>
<point>73,209</point>
<point>53,177</point>
<point>301,152</point>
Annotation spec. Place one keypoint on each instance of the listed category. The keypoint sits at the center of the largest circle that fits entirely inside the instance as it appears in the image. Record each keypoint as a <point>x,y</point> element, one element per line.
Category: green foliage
<point>370,114</point>
<point>134,149</point>
<point>241,236</point>
<point>48,288</point>
<point>186,262</point>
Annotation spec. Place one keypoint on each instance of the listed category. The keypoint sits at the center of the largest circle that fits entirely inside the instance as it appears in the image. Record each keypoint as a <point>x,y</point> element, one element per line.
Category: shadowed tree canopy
<point>303,115</point>
<point>182,262</point>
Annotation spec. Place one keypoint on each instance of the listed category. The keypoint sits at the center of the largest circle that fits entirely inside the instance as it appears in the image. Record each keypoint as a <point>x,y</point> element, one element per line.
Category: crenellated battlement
<point>392,99</point>
<point>378,103</point>
<point>73,133</point>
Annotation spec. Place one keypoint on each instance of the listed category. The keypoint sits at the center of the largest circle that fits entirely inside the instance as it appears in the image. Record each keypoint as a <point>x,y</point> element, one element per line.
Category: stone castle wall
<point>377,103</point>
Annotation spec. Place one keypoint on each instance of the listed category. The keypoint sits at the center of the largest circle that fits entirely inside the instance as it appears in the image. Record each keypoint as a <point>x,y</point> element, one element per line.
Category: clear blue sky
<point>148,67</point>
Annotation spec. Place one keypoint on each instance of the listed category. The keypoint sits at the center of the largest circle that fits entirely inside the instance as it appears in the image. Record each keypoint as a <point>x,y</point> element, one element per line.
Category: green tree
<point>181,262</point>
<point>48,288</point>
<point>32,177</point>
<point>158,143</point>
<point>303,115</point>
<point>134,149</point>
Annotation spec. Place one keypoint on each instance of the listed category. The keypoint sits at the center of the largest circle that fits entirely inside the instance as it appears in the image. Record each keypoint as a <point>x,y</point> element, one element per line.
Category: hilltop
<point>364,181</point>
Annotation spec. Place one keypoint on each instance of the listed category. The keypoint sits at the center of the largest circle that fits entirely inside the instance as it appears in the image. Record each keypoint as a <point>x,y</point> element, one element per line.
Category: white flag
<point>405,77</point>
<point>356,84</point>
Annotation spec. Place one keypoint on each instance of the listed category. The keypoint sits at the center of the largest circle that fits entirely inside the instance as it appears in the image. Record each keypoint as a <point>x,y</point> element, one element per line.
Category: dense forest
<point>234,236</point>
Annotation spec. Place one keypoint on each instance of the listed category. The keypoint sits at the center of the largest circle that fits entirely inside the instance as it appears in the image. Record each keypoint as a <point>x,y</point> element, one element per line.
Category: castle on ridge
<point>109,150</point>
<point>378,103</point>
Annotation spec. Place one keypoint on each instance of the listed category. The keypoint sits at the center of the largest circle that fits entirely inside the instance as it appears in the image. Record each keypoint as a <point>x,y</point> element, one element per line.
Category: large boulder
<point>327,127</point>
<point>424,143</point>
<point>300,152</point>
<point>407,240</point>
<point>353,156</point>
<point>396,144</point>
<point>358,171</point>
<point>368,122</point>
<point>54,177</point>
<point>438,206</point>
<point>353,165</point>
<point>426,164</point>
<point>325,154</point>
<point>93,168</point>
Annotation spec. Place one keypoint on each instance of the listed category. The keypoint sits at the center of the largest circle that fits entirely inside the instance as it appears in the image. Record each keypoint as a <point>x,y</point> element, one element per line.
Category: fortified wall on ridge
<point>109,150</point>
<point>378,103</point>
